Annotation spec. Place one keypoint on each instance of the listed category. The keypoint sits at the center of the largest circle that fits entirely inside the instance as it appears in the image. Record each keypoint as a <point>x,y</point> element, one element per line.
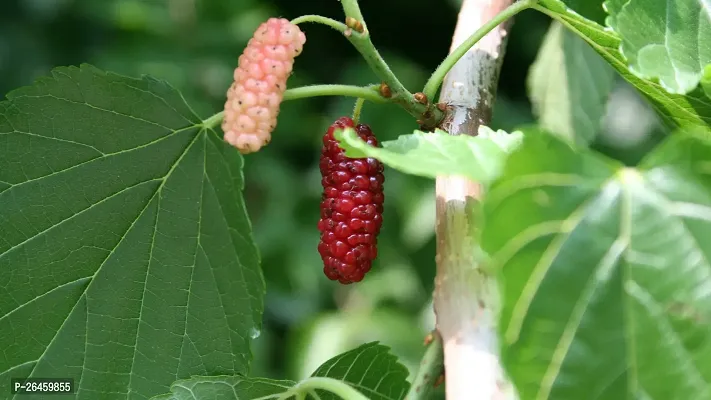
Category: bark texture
<point>466,300</point>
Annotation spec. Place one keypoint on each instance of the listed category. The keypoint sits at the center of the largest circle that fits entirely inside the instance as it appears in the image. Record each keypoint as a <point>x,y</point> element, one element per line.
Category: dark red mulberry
<point>351,207</point>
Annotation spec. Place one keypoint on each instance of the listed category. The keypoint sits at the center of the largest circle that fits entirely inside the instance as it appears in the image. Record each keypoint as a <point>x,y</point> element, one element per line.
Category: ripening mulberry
<point>260,81</point>
<point>351,207</point>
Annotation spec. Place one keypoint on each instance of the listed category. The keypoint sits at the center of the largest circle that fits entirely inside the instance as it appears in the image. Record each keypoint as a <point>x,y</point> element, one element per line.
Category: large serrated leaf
<point>437,153</point>
<point>690,110</point>
<point>126,257</point>
<point>605,271</point>
<point>669,40</point>
<point>225,388</point>
<point>370,369</point>
<point>569,84</point>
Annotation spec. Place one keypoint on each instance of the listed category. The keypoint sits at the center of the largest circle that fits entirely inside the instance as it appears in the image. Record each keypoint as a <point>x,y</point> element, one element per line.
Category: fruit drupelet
<point>351,207</point>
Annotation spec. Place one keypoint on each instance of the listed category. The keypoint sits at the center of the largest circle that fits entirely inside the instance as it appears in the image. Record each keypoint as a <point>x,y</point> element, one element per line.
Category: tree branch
<point>466,300</point>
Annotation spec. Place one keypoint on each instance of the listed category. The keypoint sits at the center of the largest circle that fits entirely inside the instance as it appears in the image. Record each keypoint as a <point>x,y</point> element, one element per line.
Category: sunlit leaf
<point>437,153</point>
<point>690,110</point>
<point>569,85</point>
<point>669,40</point>
<point>605,271</point>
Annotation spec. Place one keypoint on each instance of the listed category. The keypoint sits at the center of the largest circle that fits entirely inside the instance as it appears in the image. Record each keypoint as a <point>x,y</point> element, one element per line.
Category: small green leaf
<point>224,388</point>
<point>690,110</point>
<point>569,84</point>
<point>431,154</point>
<point>665,39</point>
<point>370,369</point>
<point>605,271</point>
<point>126,252</point>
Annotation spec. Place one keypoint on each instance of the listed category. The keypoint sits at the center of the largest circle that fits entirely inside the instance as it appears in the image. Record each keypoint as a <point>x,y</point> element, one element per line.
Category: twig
<point>431,367</point>
<point>466,300</point>
<point>357,109</point>
<point>456,54</point>
<point>427,114</point>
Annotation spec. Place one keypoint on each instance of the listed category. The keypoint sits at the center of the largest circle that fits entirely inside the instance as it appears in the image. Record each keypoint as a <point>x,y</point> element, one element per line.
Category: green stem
<point>427,113</point>
<point>357,109</point>
<point>335,386</point>
<point>435,80</point>
<point>431,367</point>
<point>351,9</point>
<point>370,93</point>
<point>339,26</point>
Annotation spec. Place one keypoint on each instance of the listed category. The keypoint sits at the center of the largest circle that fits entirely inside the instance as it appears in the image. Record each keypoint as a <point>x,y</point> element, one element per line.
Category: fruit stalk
<point>339,26</point>
<point>466,300</point>
<point>427,114</point>
<point>370,93</point>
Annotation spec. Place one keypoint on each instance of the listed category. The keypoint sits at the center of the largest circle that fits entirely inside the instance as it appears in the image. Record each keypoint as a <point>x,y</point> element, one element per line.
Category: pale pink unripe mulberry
<point>260,81</point>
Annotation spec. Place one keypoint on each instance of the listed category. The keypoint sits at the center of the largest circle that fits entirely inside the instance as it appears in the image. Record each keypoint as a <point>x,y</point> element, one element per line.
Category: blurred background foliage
<point>194,44</point>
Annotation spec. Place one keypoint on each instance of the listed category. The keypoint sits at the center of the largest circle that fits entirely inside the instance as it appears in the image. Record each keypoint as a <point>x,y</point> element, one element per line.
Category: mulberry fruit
<point>351,207</point>
<point>253,98</point>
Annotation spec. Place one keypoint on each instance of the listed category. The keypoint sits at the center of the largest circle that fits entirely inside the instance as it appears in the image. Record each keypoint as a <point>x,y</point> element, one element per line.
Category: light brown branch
<point>466,300</point>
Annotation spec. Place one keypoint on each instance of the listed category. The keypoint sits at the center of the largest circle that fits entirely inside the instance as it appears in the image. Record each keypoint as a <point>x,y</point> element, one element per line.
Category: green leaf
<point>613,7</point>
<point>569,84</point>
<point>125,249</point>
<point>370,369</point>
<point>431,154</point>
<point>605,271</point>
<point>224,388</point>
<point>706,81</point>
<point>590,9</point>
<point>690,110</point>
<point>665,39</point>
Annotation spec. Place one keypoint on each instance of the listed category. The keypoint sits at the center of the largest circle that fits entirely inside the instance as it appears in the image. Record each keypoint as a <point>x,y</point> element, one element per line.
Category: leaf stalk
<point>339,26</point>
<point>369,93</point>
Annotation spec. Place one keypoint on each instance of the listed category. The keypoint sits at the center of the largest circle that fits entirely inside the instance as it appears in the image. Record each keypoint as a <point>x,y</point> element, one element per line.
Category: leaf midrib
<point>623,240</point>
<point>540,270</point>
